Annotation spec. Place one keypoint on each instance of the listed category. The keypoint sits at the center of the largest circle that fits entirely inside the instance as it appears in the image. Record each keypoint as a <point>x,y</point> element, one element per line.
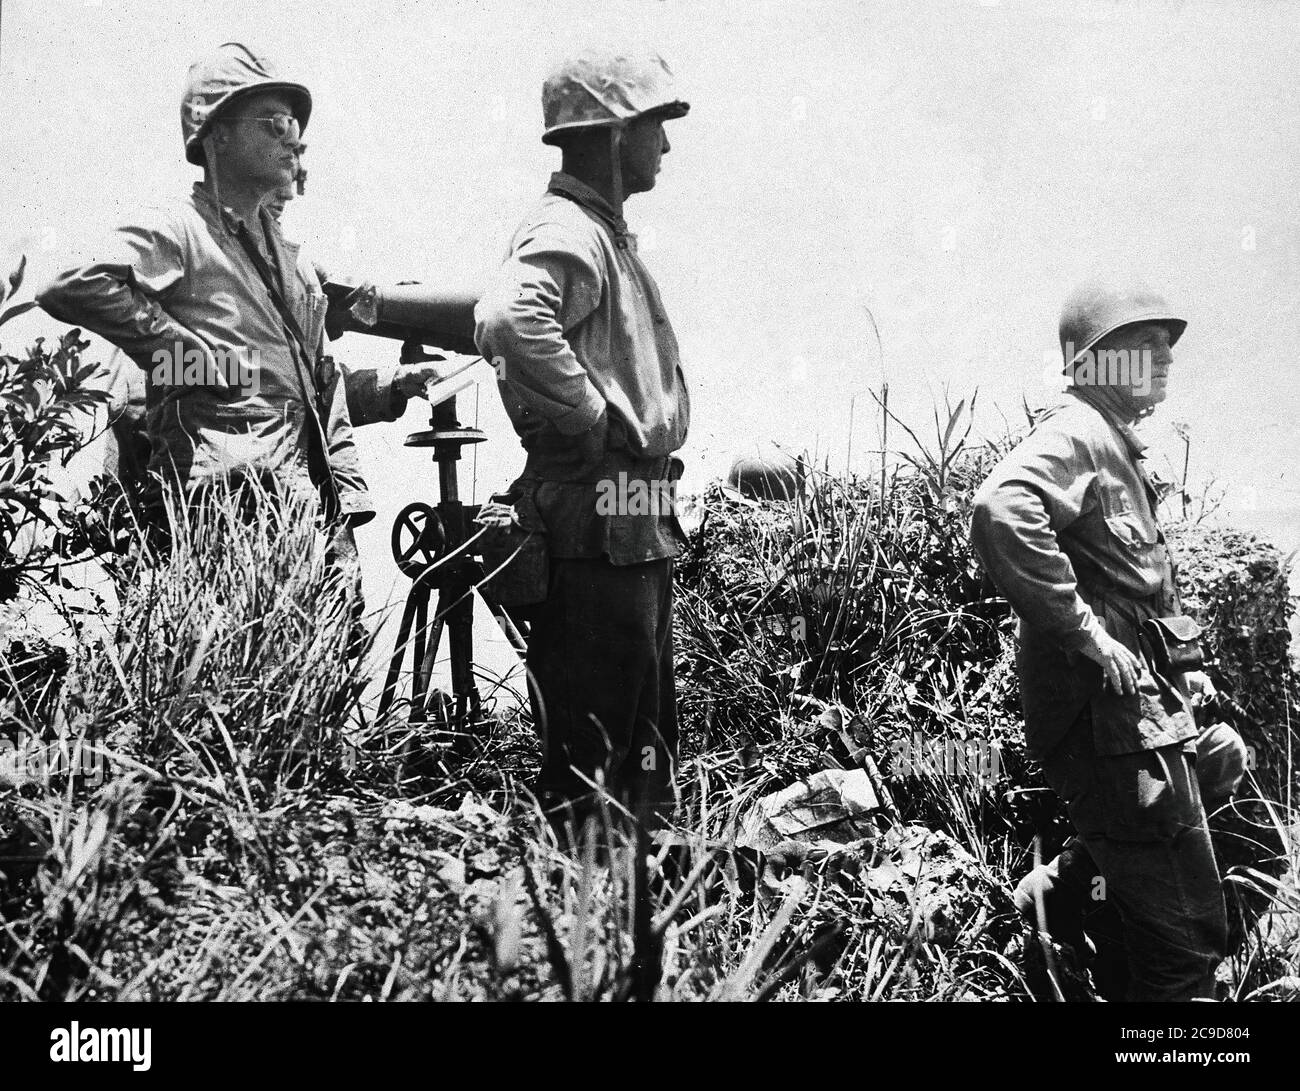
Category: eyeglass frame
<point>289,126</point>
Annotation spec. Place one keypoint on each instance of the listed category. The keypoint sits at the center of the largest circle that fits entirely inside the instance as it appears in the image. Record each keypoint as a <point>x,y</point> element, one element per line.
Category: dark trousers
<point>1139,818</point>
<point>1067,885</point>
<point>600,662</point>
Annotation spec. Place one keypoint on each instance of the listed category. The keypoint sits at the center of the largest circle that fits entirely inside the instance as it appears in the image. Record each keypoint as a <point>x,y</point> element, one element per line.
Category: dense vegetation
<point>216,812</point>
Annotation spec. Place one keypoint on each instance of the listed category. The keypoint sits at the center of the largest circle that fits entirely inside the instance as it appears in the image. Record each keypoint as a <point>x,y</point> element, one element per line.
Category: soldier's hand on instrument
<point>1121,667</point>
<point>413,377</point>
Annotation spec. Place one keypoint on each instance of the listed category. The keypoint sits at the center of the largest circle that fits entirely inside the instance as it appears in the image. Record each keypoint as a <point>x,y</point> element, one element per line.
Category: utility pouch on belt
<point>1175,644</point>
<point>515,543</point>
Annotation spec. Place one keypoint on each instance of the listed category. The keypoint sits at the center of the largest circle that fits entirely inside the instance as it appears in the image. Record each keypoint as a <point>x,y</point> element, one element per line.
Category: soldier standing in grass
<point>211,280</point>
<point>589,372</point>
<point>1066,527</point>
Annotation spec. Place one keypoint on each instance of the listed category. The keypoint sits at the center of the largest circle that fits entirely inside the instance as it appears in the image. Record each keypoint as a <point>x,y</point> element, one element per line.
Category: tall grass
<point>257,836</point>
<point>223,694</point>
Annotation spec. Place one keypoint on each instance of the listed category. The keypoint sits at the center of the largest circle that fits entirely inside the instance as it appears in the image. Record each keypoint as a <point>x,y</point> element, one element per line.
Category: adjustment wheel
<point>418,539</point>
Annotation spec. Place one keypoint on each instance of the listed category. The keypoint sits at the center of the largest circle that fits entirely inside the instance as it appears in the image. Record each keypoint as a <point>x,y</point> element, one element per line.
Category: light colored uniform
<point>1065,525</point>
<point>181,277</point>
<point>575,324</point>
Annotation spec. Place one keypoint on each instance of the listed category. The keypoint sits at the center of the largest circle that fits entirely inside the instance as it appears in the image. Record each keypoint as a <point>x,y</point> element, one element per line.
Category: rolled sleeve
<point>373,395</point>
<point>355,504</point>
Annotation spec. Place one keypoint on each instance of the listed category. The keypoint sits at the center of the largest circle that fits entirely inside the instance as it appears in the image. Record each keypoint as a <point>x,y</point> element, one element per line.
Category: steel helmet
<point>606,88</point>
<point>1098,307</point>
<point>770,475</point>
<point>218,80</point>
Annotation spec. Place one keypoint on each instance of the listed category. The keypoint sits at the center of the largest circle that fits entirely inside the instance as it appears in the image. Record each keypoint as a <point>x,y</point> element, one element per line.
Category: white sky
<point>955,167</point>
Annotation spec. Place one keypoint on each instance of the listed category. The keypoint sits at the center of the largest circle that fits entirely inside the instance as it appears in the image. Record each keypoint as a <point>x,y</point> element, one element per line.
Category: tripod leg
<point>419,684</point>
<point>507,624</point>
<point>392,680</point>
<point>461,625</point>
<point>424,674</point>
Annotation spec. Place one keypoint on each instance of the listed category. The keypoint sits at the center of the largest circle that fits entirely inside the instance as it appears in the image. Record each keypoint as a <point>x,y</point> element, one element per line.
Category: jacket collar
<point>207,205</point>
<point>284,252</point>
<point>566,185</point>
<point>1095,397</point>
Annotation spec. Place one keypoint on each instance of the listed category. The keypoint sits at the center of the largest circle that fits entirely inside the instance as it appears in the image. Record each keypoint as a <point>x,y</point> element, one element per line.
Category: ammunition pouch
<point>1175,644</point>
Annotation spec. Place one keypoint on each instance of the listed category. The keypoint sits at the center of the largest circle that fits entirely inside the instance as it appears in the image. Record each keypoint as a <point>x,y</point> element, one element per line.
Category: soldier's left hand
<point>1201,689</point>
<point>412,378</point>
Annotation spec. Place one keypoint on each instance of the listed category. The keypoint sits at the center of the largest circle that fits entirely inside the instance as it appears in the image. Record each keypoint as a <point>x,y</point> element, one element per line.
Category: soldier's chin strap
<point>210,155</point>
<point>616,179</point>
<point>616,168</point>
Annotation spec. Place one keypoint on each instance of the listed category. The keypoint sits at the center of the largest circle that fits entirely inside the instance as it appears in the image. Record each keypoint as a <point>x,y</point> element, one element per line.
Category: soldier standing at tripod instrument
<point>589,372</point>
<point>373,394</point>
<point>223,314</point>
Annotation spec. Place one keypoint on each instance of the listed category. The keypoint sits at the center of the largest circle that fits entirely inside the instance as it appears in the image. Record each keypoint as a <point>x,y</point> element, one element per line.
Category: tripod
<point>433,546</point>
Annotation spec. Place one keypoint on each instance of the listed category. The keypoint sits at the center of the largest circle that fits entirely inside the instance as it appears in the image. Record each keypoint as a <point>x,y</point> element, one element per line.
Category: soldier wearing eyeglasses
<point>210,280</point>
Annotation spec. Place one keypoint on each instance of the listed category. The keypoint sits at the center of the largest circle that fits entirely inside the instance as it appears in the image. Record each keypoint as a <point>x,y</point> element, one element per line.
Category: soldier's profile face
<point>251,150</point>
<point>279,198</point>
<point>1143,356</point>
<point>276,202</point>
<point>644,144</point>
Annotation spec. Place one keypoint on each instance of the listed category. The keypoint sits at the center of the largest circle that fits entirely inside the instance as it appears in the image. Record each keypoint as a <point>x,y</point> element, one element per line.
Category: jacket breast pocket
<point>1127,514</point>
<point>315,305</point>
<point>1131,529</point>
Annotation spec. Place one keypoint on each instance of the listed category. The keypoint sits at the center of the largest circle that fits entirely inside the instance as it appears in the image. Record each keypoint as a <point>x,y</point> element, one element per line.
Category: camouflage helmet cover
<point>604,88</point>
<point>224,76</point>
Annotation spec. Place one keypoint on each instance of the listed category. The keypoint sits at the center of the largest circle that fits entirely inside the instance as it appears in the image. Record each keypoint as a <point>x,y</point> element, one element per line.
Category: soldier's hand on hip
<point>1121,667</point>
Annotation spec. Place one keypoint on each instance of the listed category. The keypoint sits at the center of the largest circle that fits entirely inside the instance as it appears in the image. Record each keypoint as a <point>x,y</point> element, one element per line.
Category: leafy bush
<point>864,594</point>
<point>1238,587</point>
<point>43,405</point>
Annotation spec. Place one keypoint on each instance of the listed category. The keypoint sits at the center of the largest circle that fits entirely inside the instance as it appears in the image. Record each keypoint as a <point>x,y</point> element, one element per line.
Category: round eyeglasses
<point>282,125</point>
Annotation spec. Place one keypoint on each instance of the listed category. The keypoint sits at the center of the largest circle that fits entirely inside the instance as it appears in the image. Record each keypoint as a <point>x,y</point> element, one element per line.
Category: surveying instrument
<point>433,544</point>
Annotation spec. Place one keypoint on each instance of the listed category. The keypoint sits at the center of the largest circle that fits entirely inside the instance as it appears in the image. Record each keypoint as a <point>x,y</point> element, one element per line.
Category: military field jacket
<point>575,325</point>
<point>180,280</point>
<point>1066,527</point>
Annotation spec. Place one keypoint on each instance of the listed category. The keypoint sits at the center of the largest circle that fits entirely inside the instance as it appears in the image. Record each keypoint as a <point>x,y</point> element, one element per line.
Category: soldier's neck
<point>238,195</point>
<point>592,167</point>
